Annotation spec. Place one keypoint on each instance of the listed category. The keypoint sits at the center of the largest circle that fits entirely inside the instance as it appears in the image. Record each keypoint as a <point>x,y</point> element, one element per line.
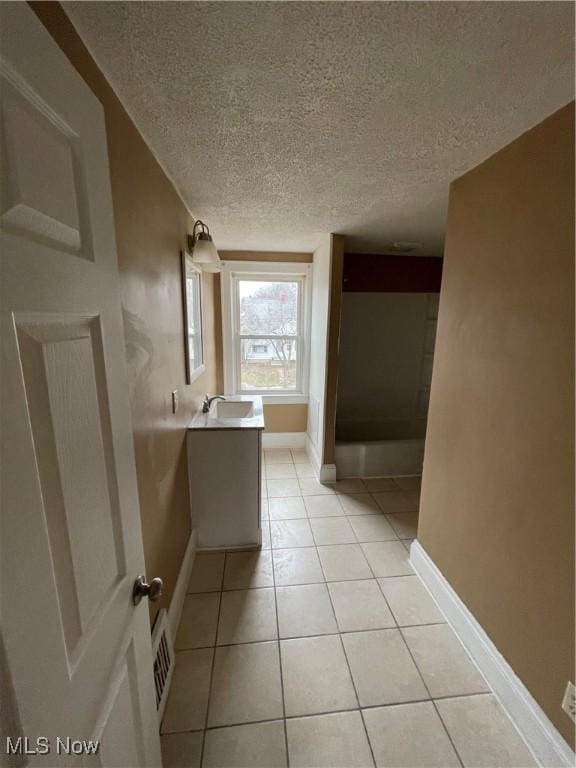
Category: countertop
<point>211,421</point>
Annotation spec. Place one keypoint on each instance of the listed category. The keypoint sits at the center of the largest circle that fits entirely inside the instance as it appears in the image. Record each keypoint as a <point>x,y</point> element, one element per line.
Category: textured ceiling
<point>279,121</point>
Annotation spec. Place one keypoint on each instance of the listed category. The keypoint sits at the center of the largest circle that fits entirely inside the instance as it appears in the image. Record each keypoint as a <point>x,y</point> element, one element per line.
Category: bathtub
<point>399,451</point>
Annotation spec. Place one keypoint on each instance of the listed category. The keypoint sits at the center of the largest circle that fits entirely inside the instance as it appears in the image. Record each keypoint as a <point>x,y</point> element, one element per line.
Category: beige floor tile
<point>323,506</point>
<point>375,484</point>
<point>248,570</point>
<point>304,470</point>
<point>265,515</point>
<point>316,677</point>
<point>359,504</point>
<point>360,605</point>
<point>328,741</point>
<point>188,697</point>
<point>266,540</point>
<point>291,533</point>
<point>247,616</point>
<point>277,456</point>
<point>342,562</point>
<point>263,470</point>
<point>297,566</point>
<point>287,509</point>
<point>372,528</point>
<point>279,489</point>
<point>405,524</point>
<point>407,543</point>
<point>305,610</point>
<point>182,750</point>
<point>299,456</point>
<point>391,502</point>
<point>246,684</point>
<point>312,487</point>
<point>280,471</point>
<point>445,665</point>
<point>387,558</point>
<point>409,736</point>
<point>382,668</point>
<point>199,621</point>
<point>350,485</point>
<point>409,483</point>
<point>483,733</point>
<point>207,573</point>
<point>410,601</point>
<point>332,530</point>
<point>258,745</point>
<point>264,489</point>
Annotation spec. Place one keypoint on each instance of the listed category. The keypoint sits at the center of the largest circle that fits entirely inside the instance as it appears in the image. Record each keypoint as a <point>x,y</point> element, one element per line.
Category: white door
<point>76,659</point>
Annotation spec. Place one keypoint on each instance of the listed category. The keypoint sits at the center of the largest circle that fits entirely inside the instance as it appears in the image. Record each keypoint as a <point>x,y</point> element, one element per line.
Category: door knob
<point>152,591</point>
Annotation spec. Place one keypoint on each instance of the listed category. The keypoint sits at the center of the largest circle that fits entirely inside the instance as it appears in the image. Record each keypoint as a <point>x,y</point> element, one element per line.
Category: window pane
<point>268,363</point>
<point>194,321</point>
<point>268,308</point>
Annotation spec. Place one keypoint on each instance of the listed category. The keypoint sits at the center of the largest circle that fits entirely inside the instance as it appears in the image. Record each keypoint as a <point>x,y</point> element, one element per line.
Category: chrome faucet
<point>209,400</point>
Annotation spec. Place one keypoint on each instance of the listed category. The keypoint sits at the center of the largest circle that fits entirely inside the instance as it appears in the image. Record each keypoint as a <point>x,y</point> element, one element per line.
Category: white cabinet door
<point>76,659</point>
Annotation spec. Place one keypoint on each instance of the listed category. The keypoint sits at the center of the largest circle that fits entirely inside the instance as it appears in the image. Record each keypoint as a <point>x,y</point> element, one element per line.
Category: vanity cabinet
<point>224,473</point>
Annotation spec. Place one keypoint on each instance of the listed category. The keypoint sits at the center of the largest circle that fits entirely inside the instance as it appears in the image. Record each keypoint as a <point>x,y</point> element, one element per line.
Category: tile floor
<point>324,649</point>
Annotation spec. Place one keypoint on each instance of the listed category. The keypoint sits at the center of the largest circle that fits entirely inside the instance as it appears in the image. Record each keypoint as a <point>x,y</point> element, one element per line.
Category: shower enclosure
<point>387,336</point>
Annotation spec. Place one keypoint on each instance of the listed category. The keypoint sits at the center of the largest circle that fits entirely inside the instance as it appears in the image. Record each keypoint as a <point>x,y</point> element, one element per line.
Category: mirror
<point>192,295</point>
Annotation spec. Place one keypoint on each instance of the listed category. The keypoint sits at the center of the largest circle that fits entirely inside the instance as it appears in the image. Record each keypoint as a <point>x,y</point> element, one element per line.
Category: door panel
<point>78,653</point>
<point>120,721</point>
<point>43,182</point>
<point>70,427</point>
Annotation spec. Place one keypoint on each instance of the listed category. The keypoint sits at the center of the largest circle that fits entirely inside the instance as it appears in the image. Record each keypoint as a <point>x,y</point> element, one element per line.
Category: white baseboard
<point>284,439</point>
<point>327,473</point>
<point>546,743</point>
<point>177,602</point>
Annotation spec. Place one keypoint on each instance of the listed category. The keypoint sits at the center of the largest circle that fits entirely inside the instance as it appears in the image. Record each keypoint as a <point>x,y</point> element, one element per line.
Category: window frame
<point>232,274</point>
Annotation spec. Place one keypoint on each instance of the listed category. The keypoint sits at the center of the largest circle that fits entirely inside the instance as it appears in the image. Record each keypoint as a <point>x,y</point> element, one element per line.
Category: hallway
<point>324,649</point>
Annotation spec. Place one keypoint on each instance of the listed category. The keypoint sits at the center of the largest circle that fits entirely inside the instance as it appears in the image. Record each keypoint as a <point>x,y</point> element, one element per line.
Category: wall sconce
<point>202,248</point>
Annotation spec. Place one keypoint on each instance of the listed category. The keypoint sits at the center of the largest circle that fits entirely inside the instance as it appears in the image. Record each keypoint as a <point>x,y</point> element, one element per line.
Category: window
<point>268,308</point>
<point>265,343</point>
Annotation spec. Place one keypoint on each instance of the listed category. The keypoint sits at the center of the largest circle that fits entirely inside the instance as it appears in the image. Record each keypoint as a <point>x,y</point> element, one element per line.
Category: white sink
<point>234,409</point>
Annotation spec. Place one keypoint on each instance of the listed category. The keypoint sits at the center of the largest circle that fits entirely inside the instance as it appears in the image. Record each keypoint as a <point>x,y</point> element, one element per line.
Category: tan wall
<point>267,256</point>
<point>286,418</point>
<point>151,226</point>
<point>278,418</point>
<point>497,512</point>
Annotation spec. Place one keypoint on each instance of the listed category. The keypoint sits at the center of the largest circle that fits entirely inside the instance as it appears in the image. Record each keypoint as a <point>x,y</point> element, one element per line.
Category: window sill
<point>288,399</point>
